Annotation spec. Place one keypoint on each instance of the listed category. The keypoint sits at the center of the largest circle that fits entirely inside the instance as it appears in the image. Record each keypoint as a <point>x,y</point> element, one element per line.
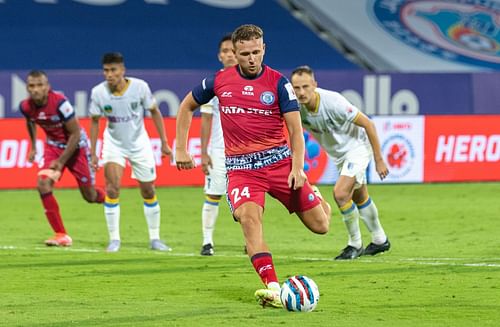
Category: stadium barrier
<point>417,149</point>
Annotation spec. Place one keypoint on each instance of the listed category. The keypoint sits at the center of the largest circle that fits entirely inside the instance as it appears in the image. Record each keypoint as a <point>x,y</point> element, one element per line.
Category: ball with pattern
<point>299,293</point>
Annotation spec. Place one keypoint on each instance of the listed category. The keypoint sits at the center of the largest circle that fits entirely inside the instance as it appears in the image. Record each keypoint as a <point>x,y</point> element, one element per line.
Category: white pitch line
<point>417,261</point>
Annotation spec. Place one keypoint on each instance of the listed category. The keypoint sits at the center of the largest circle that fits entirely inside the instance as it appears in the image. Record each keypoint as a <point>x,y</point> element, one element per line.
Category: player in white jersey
<point>349,136</point>
<point>212,155</point>
<point>123,101</point>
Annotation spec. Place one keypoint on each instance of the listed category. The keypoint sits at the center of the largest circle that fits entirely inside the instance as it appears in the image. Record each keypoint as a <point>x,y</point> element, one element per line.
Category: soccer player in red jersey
<point>256,103</point>
<point>66,146</point>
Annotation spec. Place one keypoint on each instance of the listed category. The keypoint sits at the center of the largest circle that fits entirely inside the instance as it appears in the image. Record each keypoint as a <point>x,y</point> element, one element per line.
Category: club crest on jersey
<point>247,90</point>
<point>108,109</point>
<point>267,98</point>
<point>134,105</point>
<point>42,116</point>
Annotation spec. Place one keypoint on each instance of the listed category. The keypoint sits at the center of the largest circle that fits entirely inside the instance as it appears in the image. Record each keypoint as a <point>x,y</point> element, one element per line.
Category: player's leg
<point>144,171</point>
<point>246,195</point>
<point>369,214</point>
<point>79,166</point>
<point>45,186</point>
<point>209,214</point>
<point>215,187</point>
<point>113,173</point>
<point>343,191</point>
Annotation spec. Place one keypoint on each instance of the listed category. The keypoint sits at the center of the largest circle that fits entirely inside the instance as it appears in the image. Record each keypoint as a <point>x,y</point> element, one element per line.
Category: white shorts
<point>142,161</point>
<point>216,181</point>
<point>354,165</point>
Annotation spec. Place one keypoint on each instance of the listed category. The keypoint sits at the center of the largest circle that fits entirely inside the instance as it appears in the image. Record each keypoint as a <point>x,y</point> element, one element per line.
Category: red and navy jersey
<point>251,109</point>
<point>51,116</point>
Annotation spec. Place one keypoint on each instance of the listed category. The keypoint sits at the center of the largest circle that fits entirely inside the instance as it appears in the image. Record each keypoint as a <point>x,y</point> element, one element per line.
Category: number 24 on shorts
<point>237,195</point>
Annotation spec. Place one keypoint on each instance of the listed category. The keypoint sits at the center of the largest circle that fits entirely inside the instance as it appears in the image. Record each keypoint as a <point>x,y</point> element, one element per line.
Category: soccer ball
<point>299,293</point>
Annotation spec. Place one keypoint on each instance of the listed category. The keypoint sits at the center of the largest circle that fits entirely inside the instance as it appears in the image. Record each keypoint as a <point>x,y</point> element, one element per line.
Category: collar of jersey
<point>316,107</point>
<point>122,92</point>
<point>250,78</point>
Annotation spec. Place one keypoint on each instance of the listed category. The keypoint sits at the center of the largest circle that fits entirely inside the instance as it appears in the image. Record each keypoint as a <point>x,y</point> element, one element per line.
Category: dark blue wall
<point>178,34</point>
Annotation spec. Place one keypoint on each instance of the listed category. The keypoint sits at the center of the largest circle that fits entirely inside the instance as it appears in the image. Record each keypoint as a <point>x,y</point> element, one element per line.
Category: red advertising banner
<point>17,172</point>
<point>462,148</point>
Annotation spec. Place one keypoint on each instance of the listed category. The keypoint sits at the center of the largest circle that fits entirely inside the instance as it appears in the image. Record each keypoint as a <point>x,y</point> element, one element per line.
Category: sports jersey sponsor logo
<point>399,154</point>
<point>290,91</point>
<point>226,94</point>
<point>239,110</point>
<point>108,108</point>
<point>467,148</point>
<point>455,30</point>
<point>247,90</point>
<point>267,98</point>
<point>54,118</point>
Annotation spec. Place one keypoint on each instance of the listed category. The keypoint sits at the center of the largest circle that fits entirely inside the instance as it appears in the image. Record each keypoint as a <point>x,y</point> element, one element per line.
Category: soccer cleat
<point>113,246</point>
<point>60,239</point>
<point>207,250</point>
<point>349,253</point>
<point>158,245</point>
<point>373,248</point>
<point>268,298</point>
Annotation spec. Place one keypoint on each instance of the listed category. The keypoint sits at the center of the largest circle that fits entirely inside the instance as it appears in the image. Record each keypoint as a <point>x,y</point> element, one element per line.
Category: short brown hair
<point>37,73</point>
<point>247,32</point>
<point>112,58</point>
<point>303,70</point>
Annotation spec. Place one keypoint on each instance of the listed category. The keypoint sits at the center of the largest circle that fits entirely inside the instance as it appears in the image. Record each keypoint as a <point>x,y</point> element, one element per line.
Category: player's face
<point>226,54</point>
<point>38,88</point>
<point>304,86</point>
<point>250,55</point>
<point>114,74</point>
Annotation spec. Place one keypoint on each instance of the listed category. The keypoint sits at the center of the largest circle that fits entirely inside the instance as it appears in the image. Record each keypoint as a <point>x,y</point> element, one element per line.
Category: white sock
<point>112,214</point>
<point>209,215</point>
<point>152,213</point>
<point>350,216</point>
<point>369,214</point>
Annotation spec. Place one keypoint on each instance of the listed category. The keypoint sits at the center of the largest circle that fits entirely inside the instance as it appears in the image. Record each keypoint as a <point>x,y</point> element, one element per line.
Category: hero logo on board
<point>465,31</point>
<point>225,4</point>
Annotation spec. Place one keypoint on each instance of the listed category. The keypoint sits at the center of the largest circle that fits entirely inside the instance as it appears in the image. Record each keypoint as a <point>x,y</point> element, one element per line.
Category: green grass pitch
<point>443,268</point>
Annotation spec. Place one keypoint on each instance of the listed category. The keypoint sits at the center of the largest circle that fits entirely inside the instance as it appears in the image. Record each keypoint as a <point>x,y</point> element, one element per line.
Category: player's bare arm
<point>380,165</point>
<point>30,125</point>
<point>206,127</point>
<point>297,177</point>
<point>160,127</point>
<point>94,133</point>
<point>183,158</point>
<point>73,129</point>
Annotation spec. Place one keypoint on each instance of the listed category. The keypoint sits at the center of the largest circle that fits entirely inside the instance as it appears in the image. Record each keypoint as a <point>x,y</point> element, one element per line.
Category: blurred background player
<point>212,155</point>
<point>66,146</point>
<point>349,136</point>
<point>255,104</point>
<point>123,100</point>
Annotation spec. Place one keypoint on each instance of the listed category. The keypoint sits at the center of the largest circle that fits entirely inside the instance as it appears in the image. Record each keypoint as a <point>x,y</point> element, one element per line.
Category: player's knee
<point>44,185</point>
<point>341,197</point>
<point>322,225</point>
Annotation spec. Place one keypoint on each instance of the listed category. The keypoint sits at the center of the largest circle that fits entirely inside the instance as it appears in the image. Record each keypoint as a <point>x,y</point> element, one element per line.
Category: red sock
<point>100,195</point>
<point>263,264</point>
<point>52,212</point>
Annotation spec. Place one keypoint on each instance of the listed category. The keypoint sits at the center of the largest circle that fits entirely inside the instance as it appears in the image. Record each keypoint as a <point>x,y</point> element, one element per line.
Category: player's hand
<point>206,163</point>
<point>184,160</point>
<point>297,178</point>
<point>381,168</point>
<point>32,155</point>
<point>94,162</point>
<point>165,149</point>
<point>56,165</point>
